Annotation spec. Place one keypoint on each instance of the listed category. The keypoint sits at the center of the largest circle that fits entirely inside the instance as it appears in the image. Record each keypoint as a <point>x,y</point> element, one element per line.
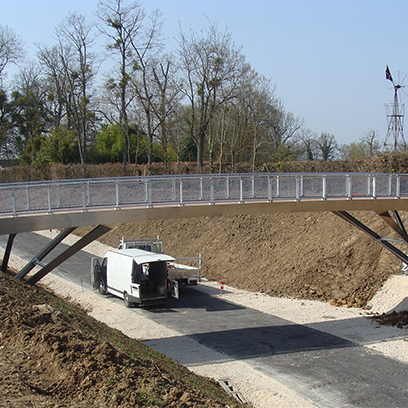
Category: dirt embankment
<point>53,355</point>
<point>307,255</point>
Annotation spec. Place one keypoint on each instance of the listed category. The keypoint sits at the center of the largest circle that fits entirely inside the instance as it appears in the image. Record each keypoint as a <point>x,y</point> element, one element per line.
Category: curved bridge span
<point>67,204</point>
<point>71,203</point>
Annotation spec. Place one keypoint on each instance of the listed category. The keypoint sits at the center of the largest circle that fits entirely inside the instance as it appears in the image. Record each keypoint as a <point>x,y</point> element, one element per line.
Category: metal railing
<point>150,191</point>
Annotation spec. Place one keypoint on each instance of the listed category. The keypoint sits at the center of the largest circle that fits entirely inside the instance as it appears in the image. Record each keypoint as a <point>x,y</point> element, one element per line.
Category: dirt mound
<point>54,355</point>
<point>399,319</point>
<point>306,255</point>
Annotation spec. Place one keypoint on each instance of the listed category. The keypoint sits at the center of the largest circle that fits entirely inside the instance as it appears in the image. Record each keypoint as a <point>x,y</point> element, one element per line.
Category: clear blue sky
<point>327,58</point>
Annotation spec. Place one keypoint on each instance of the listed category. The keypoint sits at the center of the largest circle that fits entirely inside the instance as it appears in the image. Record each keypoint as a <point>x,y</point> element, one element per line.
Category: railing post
<point>390,185</point>
<point>227,188</point>
<point>49,199</point>
<point>117,194</point>
<point>348,186</point>
<point>374,182</point>
<point>253,187</point>
<point>269,189</point>
<point>58,195</point>
<point>211,191</point>
<point>149,193</point>
<point>83,197</point>
<point>13,198</point>
<point>241,190</point>
<point>398,192</point>
<point>297,188</point>
<point>27,199</point>
<point>173,182</point>
<point>324,187</point>
<point>201,189</point>
<point>277,186</point>
<point>181,192</point>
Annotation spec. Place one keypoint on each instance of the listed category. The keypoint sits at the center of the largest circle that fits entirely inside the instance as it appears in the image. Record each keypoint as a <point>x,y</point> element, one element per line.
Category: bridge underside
<point>67,222</point>
<point>62,220</point>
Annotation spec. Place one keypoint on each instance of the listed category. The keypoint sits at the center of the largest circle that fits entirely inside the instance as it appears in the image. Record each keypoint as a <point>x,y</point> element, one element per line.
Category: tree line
<point>200,102</point>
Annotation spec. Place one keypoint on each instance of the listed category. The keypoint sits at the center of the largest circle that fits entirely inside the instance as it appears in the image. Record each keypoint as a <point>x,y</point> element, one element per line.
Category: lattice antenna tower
<point>395,114</point>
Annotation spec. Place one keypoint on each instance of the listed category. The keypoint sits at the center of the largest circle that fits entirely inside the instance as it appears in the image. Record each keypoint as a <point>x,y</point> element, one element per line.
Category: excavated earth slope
<point>52,354</point>
<point>306,255</point>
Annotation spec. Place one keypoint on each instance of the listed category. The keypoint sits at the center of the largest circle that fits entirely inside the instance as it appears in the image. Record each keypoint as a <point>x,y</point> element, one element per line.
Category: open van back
<point>135,275</point>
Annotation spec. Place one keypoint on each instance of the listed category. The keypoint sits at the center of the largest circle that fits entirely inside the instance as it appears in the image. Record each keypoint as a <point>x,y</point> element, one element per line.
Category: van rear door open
<point>175,289</point>
<point>137,276</point>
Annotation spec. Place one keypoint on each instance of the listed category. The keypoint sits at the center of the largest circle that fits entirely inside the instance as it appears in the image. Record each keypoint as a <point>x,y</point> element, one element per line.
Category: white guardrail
<point>87,194</point>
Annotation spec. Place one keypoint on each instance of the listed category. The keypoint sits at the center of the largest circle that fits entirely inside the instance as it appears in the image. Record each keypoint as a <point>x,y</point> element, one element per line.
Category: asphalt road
<point>325,369</point>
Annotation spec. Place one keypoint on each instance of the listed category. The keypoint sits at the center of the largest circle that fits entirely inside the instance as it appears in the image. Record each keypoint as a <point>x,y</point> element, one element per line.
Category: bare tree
<point>11,48</point>
<point>308,141</point>
<point>151,78</point>
<point>285,129</point>
<point>167,99</point>
<point>56,81</point>
<point>78,66</point>
<point>327,146</point>
<point>212,66</point>
<point>121,26</point>
<point>30,114</point>
<point>370,139</point>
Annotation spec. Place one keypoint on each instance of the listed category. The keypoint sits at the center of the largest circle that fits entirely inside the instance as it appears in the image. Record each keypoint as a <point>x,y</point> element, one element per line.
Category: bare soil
<point>54,355</point>
<point>314,256</point>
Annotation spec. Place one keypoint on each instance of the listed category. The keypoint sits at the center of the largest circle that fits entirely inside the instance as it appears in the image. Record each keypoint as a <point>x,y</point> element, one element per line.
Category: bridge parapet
<point>150,191</point>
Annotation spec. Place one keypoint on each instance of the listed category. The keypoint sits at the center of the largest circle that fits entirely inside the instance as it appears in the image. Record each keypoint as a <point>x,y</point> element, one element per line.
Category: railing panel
<point>338,186</point>
<point>384,185</point>
<point>86,194</point>
<point>127,192</point>
<point>286,187</point>
<point>311,187</point>
<point>403,181</point>
<point>6,200</point>
<point>192,190</point>
<point>32,198</point>
<point>72,195</point>
<point>165,190</point>
<point>260,188</point>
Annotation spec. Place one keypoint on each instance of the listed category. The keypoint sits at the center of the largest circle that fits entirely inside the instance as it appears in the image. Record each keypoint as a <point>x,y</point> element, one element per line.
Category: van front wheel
<point>127,301</point>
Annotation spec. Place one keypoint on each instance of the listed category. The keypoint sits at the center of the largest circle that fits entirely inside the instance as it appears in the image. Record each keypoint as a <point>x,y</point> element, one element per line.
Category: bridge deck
<point>71,203</point>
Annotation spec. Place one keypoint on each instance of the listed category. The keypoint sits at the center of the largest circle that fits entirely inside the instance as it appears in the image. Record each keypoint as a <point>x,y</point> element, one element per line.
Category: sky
<point>326,58</point>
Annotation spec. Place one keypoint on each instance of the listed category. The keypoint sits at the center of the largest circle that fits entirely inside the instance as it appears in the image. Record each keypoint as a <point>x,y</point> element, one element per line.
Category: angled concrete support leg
<point>7,252</point>
<point>353,221</point>
<point>83,242</point>
<point>44,252</point>
<point>396,224</point>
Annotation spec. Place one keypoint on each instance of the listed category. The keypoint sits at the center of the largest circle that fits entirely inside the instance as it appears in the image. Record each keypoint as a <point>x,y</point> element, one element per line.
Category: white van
<point>137,276</point>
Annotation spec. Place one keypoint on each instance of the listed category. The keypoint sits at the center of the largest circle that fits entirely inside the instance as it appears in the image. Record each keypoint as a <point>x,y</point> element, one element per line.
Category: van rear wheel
<point>127,301</point>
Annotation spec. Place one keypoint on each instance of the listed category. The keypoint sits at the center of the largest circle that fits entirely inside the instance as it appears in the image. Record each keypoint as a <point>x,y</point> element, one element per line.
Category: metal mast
<point>395,116</point>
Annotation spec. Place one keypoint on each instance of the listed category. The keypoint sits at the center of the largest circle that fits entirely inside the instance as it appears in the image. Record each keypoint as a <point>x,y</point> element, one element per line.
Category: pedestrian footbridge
<point>68,204</point>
